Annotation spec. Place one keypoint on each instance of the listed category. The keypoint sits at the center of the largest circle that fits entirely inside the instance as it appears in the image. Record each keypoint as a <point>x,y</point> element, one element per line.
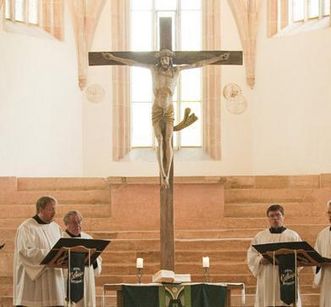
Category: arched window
<point>290,14</point>
<point>47,15</point>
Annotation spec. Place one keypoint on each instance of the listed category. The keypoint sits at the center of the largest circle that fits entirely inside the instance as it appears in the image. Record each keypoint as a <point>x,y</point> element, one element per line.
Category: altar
<point>164,295</point>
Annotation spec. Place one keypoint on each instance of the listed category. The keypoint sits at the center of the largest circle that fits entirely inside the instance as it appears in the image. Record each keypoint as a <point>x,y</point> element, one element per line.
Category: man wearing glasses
<point>268,286</point>
<point>322,276</point>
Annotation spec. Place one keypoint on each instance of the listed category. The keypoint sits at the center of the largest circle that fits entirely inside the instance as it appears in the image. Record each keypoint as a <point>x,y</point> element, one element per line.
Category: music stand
<point>304,255</point>
<point>61,254</point>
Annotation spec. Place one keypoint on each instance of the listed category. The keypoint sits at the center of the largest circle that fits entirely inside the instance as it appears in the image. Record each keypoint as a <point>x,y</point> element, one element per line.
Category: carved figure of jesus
<point>164,78</point>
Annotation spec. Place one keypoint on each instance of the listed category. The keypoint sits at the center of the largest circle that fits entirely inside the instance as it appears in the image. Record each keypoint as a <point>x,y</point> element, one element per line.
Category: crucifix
<point>165,66</point>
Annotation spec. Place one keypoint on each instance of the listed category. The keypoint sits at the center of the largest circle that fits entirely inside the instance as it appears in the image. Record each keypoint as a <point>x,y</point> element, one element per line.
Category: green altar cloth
<point>173,295</point>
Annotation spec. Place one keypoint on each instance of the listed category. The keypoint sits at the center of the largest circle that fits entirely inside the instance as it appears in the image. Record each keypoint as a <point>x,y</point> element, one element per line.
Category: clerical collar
<point>39,220</point>
<point>277,229</point>
<point>72,235</point>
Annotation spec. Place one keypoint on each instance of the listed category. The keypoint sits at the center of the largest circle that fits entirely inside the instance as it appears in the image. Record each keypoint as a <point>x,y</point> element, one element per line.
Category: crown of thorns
<point>165,52</point>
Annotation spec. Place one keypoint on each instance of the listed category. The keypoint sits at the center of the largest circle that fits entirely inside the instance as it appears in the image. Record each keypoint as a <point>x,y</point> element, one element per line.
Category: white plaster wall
<point>40,105</point>
<point>97,117</point>
<point>291,103</point>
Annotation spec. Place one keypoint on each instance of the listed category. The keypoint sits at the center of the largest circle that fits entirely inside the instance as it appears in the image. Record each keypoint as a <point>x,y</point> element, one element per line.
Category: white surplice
<point>35,284</point>
<point>89,277</point>
<point>267,285</point>
<point>323,278</point>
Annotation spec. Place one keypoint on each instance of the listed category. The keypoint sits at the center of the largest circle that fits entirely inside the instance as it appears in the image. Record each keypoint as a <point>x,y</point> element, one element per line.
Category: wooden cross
<point>167,240</point>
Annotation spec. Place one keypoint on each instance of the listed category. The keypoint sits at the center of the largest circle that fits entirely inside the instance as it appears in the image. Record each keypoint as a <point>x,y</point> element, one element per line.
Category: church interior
<point>66,130</point>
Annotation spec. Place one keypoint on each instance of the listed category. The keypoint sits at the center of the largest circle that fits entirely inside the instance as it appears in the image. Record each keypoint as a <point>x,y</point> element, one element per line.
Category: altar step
<point>67,196</point>
<point>101,223</point>
<point>266,195</point>
<point>150,248</point>
<point>305,230</point>
<point>88,209</point>
<point>259,209</point>
<point>308,232</point>
<point>184,256</point>
<point>182,246</point>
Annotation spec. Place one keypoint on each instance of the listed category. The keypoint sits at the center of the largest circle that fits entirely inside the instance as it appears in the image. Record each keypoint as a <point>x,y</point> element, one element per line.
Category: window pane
<point>326,7</point>
<point>141,84</point>
<point>191,136</point>
<point>7,9</point>
<point>19,10</point>
<point>165,5</point>
<point>190,85</point>
<point>191,30</point>
<point>190,4</point>
<point>141,4</point>
<point>298,10</point>
<point>141,31</point>
<point>313,8</point>
<point>141,134</point>
<point>33,11</point>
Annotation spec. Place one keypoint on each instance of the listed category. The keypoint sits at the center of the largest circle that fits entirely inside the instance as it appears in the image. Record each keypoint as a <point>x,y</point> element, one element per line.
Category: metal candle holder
<point>140,272</point>
<point>206,273</point>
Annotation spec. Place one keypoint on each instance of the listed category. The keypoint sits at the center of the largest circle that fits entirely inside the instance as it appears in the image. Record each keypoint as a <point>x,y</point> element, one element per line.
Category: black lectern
<point>288,256</point>
<point>306,255</point>
<point>74,254</point>
<point>58,255</point>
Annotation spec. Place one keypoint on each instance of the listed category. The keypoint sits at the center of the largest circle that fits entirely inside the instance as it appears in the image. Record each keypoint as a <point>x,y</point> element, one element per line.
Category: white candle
<point>205,262</point>
<point>140,263</point>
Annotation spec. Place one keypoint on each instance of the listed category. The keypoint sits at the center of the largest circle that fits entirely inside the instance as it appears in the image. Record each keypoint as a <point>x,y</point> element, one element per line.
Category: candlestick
<point>205,265</point>
<point>206,274</point>
<point>140,267</point>
<point>140,273</point>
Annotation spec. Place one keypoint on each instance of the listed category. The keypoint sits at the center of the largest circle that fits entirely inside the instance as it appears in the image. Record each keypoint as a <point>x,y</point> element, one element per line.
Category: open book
<point>167,276</point>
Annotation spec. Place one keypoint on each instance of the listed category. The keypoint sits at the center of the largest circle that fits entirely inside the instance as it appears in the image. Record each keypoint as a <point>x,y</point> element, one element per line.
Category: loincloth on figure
<point>159,113</point>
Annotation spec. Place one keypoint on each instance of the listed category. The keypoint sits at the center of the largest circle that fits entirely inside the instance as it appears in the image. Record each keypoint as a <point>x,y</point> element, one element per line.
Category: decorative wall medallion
<point>231,90</point>
<point>236,105</point>
<point>235,102</point>
<point>95,93</point>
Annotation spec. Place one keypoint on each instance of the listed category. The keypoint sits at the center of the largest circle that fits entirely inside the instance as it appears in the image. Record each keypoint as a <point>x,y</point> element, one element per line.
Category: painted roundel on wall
<point>231,90</point>
<point>95,93</point>
<point>235,103</point>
